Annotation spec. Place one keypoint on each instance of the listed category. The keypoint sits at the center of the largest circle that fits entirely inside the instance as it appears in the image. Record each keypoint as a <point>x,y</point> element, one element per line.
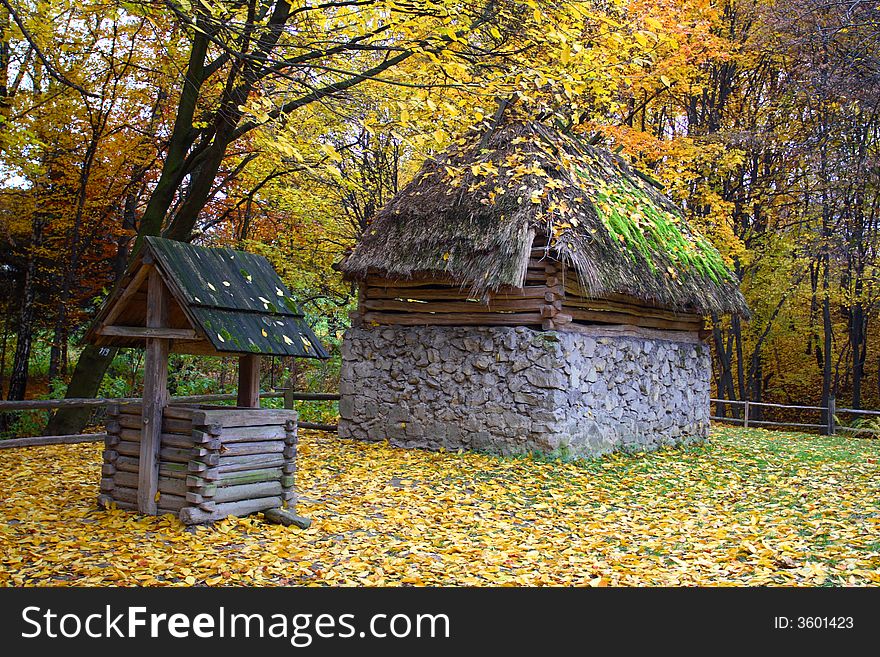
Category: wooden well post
<point>249,381</point>
<point>155,394</point>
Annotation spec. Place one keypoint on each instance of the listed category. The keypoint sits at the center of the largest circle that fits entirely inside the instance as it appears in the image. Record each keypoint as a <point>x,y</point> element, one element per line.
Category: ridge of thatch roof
<point>473,211</point>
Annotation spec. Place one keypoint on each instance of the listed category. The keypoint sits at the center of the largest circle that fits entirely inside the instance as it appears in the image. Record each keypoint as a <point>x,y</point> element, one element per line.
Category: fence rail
<point>829,427</point>
<point>287,394</point>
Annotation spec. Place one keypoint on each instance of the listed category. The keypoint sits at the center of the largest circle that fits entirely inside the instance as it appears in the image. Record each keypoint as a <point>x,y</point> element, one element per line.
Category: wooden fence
<point>830,427</point>
<point>289,396</point>
<point>831,414</point>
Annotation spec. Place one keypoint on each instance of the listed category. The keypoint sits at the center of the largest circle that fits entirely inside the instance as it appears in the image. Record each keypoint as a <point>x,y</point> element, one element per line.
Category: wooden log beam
<point>169,503</point>
<point>233,435</point>
<point>287,518</point>
<point>494,306</point>
<point>247,491</point>
<point>625,318</point>
<point>455,294</point>
<point>231,418</point>
<point>39,441</point>
<point>130,290</point>
<point>249,477</point>
<point>415,281</point>
<point>629,309</point>
<point>250,462</point>
<point>454,319</point>
<point>147,332</point>
<point>192,515</point>
<point>155,395</point>
<point>248,381</point>
<point>107,502</point>
<point>255,447</point>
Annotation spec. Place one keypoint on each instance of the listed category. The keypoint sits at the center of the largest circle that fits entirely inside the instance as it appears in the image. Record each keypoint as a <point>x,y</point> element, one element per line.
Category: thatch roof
<point>473,212</point>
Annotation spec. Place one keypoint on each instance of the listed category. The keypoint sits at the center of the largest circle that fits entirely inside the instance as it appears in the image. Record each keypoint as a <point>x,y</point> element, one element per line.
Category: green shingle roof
<point>237,299</point>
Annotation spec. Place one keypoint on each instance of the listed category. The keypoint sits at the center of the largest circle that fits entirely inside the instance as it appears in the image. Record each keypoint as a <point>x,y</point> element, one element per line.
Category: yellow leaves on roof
<point>749,508</point>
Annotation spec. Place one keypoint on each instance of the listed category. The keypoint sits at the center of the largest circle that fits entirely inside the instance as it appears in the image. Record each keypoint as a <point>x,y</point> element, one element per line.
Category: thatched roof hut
<point>478,214</point>
<point>528,292</point>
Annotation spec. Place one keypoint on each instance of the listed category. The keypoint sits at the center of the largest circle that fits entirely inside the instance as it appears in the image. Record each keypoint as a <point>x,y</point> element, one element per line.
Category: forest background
<point>280,127</point>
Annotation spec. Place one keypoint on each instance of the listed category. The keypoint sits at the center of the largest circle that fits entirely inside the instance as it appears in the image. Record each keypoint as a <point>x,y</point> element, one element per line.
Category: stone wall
<point>517,390</point>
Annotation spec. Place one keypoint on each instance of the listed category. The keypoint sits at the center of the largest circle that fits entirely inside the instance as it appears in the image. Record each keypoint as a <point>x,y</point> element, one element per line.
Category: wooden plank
<point>229,417</point>
<point>193,516</point>
<point>126,479</point>
<point>170,503</point>
<point>456,294</point>
<point>248,381</point>
<point>233,435</point>
<point>253,447</point>
<point>172,485</point>
<point>249,462</point>
<point>107,502</point>
<point>143,332</point>
<point>179,412</point>
<point>454,319</point>
<point>172,425</point>
<point>179,441</point>
<point>247,491</point>
<point>127,448</point>
<point>415,281</point>
<point>155,394</point>
<point>624,318</point>
<point>173,470</point>
<point>130,290</point>
<point>39,441</point>
<point>638,311</point>
<point>513,305</point>
<point>129,495</point>
<point>172,411</point>
<point>81,402</point>
<point>130,421</point>
<point>630,330</point>
<point>175,455</point>
<point>127,463</point>
<point>249,477</point>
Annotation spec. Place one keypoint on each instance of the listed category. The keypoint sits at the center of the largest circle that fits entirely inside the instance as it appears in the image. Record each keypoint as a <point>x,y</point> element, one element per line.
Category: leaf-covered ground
<point>748,507</point>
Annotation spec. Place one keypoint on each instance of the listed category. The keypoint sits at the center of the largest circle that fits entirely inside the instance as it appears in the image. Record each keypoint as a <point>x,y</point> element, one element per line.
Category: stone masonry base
<point>517,390</point>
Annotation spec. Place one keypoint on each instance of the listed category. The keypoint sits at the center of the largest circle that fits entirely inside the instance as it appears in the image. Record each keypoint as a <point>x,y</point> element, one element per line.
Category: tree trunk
<point>827,342</point>
<point>19,377</point>
<point>858,352</point>
<point>86,380</point>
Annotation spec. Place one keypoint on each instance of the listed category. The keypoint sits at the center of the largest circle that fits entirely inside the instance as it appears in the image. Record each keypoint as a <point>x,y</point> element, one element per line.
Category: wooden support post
<point>249,381</point>
<point>155,396</point>
<point>832,411</point>
<point>746,414</point>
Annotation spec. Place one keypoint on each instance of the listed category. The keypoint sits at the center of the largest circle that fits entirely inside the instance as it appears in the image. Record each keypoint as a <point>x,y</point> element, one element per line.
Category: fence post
<point>832,410</point>
<point>746,414</point>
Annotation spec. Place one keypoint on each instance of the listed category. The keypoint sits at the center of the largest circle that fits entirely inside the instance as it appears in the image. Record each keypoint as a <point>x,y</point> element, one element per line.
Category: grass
<point>748,507</point>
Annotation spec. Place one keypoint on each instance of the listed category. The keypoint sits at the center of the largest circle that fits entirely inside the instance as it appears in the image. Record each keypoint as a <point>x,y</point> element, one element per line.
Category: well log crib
<point>214,461</point>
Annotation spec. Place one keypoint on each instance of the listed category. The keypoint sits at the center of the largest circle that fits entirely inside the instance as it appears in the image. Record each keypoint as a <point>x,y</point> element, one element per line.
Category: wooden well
<point>201,463</point>
<point>213,461</point>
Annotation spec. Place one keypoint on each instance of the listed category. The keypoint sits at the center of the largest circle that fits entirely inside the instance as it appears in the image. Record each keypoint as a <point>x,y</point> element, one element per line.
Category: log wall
<point>551,298</point>
<point>213,461</point>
